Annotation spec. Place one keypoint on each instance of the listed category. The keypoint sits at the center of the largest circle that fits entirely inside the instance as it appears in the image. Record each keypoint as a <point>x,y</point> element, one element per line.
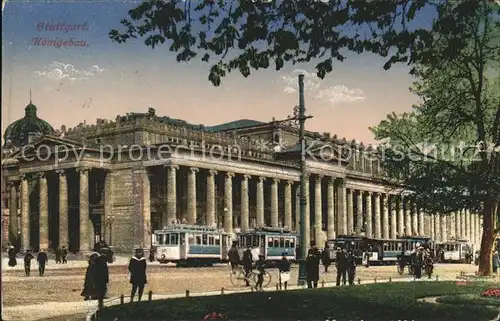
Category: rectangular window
<point>204,239</point>
<point>210,240</point>
<point>198,240</point>
<point>217,240</point>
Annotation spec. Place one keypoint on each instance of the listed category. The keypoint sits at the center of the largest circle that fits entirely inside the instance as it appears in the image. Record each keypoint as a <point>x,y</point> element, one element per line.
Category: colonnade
<point>334,208</point>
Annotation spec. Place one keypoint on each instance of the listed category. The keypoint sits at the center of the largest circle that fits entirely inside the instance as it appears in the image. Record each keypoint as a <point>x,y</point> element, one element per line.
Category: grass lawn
<point>376,302</point>
<point>469,299</point>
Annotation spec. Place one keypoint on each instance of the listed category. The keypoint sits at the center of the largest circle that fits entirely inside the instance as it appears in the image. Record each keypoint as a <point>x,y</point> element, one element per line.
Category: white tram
<point>270,242</point>
<point>456,251</point>
<point>191,244</point>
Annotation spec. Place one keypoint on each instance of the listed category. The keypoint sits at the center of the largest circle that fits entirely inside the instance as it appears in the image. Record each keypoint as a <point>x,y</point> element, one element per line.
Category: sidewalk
<point>53,309</point>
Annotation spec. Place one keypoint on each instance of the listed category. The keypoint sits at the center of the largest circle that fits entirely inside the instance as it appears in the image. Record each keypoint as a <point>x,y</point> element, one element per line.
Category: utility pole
<point>303,179</point>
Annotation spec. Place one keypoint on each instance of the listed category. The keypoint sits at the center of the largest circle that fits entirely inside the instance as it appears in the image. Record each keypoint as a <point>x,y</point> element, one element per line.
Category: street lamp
<point>109,222</point>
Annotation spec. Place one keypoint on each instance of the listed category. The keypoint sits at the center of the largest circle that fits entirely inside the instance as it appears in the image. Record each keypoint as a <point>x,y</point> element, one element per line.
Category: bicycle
<point>239,279</point>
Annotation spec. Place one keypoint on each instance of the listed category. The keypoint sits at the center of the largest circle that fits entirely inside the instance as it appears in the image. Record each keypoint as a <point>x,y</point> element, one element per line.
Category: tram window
<point>276,242</point>
<point>292,243</point>
<point>270,242</point>
<point>255,240</point>
<point>210,240</point>
<point>262,240</point>
<point>217,240</point>
<point>282,242</point>
<point>198,240</point>
<point>204,239</point>
<point>287,243</point>
<point>174,239</point>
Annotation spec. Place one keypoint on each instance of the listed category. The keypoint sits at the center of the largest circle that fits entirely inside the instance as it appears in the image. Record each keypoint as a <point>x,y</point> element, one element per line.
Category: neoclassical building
<point>121,180</point>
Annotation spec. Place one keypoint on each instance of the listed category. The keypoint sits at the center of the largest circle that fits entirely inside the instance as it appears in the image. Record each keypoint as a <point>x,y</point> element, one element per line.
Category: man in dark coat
<point>58,255</point>
<point>247,263</point>
<point>341,264</point>
<point>42,261</point>
<point>284,270</point>
<point>325,257</point>
<point>233,257</point>
<point>137,269</point>
<point>351,264</point>
<point>312,266</point>
<point>12,256</point>
<point>96,279</point>
<point>64,253</point>
<point>27,262</point>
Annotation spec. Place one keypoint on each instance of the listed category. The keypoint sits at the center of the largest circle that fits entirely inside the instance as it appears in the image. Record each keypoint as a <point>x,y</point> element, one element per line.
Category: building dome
<point>20,132</point>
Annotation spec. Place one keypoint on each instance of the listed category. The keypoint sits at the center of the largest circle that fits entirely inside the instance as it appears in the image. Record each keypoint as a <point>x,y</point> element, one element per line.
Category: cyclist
<point>260,266</point>
<point>247,263</point>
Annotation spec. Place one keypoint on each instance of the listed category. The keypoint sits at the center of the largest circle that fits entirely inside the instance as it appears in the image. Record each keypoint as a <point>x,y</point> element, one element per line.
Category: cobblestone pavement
<point>58,292</point>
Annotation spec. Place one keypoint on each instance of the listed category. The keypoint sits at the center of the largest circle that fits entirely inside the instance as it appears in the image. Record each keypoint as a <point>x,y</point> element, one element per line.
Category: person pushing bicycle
<point>247,263</point>
<point>260,266</point>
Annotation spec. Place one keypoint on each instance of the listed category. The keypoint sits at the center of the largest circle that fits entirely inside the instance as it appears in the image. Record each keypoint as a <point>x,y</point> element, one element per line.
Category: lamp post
<point>303,179</point>
<point>109,223</point>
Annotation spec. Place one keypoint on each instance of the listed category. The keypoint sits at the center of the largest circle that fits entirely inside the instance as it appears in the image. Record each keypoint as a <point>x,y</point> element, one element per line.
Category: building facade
<point>121,180</point>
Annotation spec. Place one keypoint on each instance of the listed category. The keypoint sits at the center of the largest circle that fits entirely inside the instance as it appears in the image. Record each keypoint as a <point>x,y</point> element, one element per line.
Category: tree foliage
<point>248,35</point>
<point>447,150</point>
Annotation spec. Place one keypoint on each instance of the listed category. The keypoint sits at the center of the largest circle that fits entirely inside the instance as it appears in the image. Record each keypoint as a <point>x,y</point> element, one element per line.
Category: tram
<point>383,251</point>
<point>270,242</point>
<point>456,251</point>
<point>185,244</point>
<point>359,244</point>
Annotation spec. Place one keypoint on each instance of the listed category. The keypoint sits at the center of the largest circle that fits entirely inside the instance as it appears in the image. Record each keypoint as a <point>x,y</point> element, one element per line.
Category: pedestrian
<point>284,269</point>
<point>12,256</point>
<point>325,258</point>
<point>496,262</point>
<point>64,253</point>
<point>96,279</point>
<point>312,266</point>
<point>137,269</point>
<point>27,262</point>
<point>247,263</point>
<point>351,264</point>
<point>42,261</point>
<point>341,265</point>
<point>58,255</point>
<point>152,251</point>
<point>233,257</point>
<point>260,266</point>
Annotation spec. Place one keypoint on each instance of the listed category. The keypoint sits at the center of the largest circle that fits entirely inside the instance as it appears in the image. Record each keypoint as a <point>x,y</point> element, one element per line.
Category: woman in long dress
<point>12,257</point>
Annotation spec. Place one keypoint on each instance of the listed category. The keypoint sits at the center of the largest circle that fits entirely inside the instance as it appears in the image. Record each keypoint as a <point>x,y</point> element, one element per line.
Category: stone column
<point>245,219</point>
<point>25,214</point>
<point>444,227</point>
<point>171,194</point>
<point>318,212</point>
<point>414,219</point>
<point>13,228</point>
<point>341,208</point>
<point>385,216</point>
<point>479,229</point>
<point>330,195</point>
<point>63,208</point>
<point>211,198</point>
<point>369,216</point>
<point>405,202</point>
<point>377,218</point>
<point>274,203</point>
<point>350,211</point>
<point>437,228</point>
<point>143,215</point>
<point>432,227</point>
<point>288,205</point>
<point>451,226</point>
<point>191,197</point>
<point>228,203</point>
<point>468,225</point>
<point>401,219</point>
<point>462,224</point>
<point>421,222</point>
<point>359,210</point>
<point>44,211</point>
<point>84,210</point>
<point>473,228</point>
<point>395,212</point>
<point>260,202</point>
<point>106,227</point>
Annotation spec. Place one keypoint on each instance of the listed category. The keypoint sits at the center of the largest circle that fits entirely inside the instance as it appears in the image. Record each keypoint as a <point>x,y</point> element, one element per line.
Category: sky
<point>102,79</point>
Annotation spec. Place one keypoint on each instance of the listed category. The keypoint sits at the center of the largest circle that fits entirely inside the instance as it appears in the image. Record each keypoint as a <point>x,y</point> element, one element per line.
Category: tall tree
<point>447,150</point>
<point>248,35</point>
